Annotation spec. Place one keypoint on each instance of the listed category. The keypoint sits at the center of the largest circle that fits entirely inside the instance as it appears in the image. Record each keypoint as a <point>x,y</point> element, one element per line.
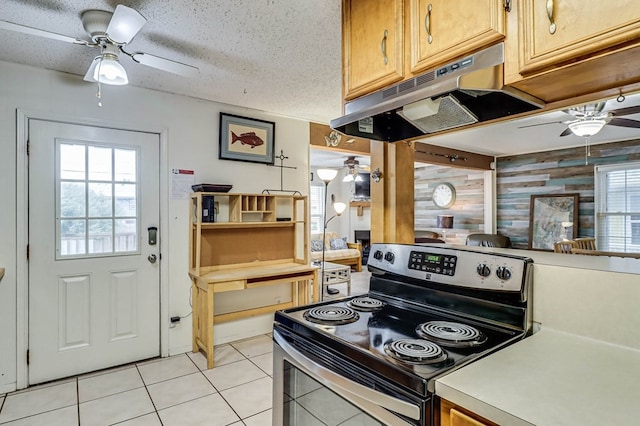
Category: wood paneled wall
<point>468,209</point>
<point>552,172</point>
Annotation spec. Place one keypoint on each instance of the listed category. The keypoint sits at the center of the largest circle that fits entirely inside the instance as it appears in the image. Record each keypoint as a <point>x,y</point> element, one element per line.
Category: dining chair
<point>564,246</point>
<point>585,243</point>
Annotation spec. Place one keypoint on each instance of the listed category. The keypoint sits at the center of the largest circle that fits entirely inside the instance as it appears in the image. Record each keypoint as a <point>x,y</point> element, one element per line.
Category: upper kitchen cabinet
<point>372,45</point>
<point>556,32</point>
<point>442,30</point>
<point>559,50</point>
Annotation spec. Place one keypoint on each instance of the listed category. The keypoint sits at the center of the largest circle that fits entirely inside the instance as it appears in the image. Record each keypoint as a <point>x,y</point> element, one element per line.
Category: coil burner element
<point>331,315</point>
<point>415,351</point>
<point>451,334</point>
<point>366,304</point>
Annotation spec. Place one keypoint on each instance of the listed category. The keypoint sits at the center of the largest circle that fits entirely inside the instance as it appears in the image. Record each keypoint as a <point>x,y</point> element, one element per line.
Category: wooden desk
<point>204,287</point>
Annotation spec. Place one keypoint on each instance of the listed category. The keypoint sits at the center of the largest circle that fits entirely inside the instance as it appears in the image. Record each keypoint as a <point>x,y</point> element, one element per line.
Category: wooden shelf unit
<point>256,240</point>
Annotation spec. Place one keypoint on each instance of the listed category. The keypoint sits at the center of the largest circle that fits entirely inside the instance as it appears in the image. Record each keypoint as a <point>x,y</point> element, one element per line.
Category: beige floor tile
<point>260,419</point>
<point>67,416</point>
<point>151,419</point>
<point>254,346</point>
<point>102,385</point>
<point>167,368</point>
<point>116,408</point>
<point>264,362</point>
<point>210,410</point>
<point>179,390</point>
<point>222,354</point>
<point>38,400</point>
<point>230,375</point>
<point>251,398</point>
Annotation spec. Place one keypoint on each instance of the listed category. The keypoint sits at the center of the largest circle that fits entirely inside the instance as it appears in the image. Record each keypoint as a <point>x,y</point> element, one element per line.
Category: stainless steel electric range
<point>373,359</point>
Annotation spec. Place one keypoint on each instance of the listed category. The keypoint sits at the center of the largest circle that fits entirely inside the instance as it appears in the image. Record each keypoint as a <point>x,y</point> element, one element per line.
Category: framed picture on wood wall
<point>246,139</point>
<point>552,218</point>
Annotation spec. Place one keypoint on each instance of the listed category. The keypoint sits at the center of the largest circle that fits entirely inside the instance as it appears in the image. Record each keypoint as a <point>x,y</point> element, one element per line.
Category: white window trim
<point>599,185</point>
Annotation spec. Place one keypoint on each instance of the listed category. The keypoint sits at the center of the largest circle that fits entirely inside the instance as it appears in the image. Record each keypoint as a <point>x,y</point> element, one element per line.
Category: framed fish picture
<point>246,139</point>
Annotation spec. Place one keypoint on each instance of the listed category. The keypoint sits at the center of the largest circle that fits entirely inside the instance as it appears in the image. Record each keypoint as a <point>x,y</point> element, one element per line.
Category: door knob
<point>152,258</point>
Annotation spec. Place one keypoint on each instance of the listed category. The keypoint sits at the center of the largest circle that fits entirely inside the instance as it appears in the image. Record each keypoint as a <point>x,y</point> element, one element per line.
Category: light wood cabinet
<point>388,41</point>
<point>453,415</point>
<point>372,45</point>
<point>443,30</point>
<point>592,53</point>
<point>556,32</point>
<point>251,241</point>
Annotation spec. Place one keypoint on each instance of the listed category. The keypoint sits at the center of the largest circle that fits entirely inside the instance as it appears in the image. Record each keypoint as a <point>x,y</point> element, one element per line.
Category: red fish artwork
<point>249,138</point>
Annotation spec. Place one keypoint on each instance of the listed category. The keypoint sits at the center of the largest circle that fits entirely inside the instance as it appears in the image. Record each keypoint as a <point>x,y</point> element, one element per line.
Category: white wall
<point>192,131</point>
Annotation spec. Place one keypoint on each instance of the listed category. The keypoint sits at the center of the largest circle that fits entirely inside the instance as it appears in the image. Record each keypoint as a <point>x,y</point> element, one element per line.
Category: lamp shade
<point>444,221</point>
<point>109,71</point>
<point>327,175</point>
<point>339,208</point>
<point>587,127</point>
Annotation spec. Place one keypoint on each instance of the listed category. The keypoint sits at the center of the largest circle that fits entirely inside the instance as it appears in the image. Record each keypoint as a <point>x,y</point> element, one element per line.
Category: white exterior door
<point>94,275</point>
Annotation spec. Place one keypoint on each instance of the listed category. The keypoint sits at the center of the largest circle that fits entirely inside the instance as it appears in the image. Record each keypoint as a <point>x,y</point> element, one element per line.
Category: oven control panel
<point>463,267</point>
<point>433,262</point>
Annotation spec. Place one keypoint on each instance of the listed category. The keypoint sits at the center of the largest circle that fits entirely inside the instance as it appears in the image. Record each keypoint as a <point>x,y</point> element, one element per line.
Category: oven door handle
<point>348,388</point>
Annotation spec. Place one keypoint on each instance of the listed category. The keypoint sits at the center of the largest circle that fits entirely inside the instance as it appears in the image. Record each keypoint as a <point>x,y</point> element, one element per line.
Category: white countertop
<point>550,378</point>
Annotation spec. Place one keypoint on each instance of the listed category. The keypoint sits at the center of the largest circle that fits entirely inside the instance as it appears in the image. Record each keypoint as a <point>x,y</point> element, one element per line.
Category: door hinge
<point>28,146</point>
<point>507,5</point>
<point>27,356</point>
<point>27,251</point>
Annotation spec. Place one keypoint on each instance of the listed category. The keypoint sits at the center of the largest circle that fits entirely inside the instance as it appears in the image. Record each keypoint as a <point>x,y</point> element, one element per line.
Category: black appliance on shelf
<point>375,358</point>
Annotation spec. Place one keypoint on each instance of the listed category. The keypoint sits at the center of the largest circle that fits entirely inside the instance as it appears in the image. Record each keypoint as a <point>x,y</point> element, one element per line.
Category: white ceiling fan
<point>589,119</point>
<point>110,32</point>
<point>353,169</point>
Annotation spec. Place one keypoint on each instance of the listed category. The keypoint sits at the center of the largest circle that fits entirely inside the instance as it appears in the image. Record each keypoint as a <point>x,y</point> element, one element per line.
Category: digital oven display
<point>434,263</point>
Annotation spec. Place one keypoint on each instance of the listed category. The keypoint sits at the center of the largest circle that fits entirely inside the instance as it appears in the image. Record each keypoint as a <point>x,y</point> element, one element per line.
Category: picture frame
<point>246,139</point>
<point>552,218</point>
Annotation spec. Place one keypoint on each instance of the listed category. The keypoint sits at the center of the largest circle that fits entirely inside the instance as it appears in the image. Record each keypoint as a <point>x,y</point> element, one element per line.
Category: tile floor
<point>170,391</point>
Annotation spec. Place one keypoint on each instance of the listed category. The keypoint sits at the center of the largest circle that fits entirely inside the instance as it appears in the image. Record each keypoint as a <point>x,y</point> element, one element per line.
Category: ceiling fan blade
<point>165,64</point>
<point>624,122</point>
<point>10,26</point>
<point>125,24</point>
<point>625,111</point>
<point>566,132</point>
<point>541,124</point>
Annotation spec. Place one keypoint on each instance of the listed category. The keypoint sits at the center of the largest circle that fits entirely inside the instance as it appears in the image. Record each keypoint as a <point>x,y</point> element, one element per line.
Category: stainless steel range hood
<point>467,91</point>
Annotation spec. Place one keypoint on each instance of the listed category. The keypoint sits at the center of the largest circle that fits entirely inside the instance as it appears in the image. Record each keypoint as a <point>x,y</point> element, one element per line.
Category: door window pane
<point>72,164</point>
<point>100,204</point>
<point>100,235</point>
<point>72,199</point>
<point>73,237</point>
<point>100,163</point>
<point>126,200</point>
<point>125,165</point>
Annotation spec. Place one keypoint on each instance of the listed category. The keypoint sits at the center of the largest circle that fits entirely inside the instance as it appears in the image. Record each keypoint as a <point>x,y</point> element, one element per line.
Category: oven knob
<point>389,257</point>
<point>503,273</point>
<point>377,255</point>
<point>483,270</point>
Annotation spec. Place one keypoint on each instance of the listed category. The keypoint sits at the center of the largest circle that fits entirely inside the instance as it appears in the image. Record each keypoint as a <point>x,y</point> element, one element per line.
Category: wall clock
<point>444,195</point>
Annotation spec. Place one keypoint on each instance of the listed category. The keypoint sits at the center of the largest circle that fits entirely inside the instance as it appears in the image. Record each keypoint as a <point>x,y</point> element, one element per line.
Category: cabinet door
<point>557,32</point>
<point>372,45</point>
<point>442,30</point>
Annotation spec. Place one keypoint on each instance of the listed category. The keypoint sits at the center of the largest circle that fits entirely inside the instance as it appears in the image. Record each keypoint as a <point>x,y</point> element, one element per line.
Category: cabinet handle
<point>383,47</point>
<point>552,25</point>
<point>427,23</point>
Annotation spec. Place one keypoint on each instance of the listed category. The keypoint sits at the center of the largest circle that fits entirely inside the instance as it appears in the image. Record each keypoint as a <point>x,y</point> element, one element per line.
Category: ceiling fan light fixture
<point>110,71</point>
<point>586,128</point>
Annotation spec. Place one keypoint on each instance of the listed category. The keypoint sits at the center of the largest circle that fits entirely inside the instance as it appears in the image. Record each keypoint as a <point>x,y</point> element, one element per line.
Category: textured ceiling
<point>280,56</point>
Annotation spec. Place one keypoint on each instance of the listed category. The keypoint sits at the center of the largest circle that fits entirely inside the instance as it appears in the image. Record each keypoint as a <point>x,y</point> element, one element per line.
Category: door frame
<point>22,227</point>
